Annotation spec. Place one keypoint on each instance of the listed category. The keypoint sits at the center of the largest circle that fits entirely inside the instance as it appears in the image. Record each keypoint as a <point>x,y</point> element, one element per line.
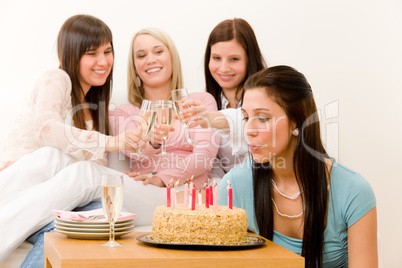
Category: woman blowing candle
<point>302,199</point>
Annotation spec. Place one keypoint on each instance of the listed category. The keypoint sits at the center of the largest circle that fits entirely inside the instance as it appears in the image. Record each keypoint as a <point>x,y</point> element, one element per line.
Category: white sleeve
<point>235,133</point>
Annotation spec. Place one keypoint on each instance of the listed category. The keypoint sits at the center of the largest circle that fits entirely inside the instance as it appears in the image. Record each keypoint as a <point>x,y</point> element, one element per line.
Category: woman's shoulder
<point>343,175</point>
<point>206,98</point>
<point>349,184</point>
<point>54,79</point>
<point>241,171</point>
<point>127,109</point>
<point>352,195</point>
<point>56,75</point>
<point>202,95</point>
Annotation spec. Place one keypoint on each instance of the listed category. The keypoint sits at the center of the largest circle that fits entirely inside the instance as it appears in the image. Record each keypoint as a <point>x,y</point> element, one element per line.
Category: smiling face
<point>153,62</point>
<point>95,66</point>
<point>267,128</point>
<point>228,64</point>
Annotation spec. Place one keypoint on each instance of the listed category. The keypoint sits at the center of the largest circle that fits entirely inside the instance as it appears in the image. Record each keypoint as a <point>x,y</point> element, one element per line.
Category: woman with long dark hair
<point>301,198</point>
<point>54,156</point>
<point>232,54</point>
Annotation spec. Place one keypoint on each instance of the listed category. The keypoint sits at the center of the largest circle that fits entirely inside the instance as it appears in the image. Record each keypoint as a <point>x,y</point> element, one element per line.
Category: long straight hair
<point>79,34</point>
<point>290,89</point>
<point>242,32</point>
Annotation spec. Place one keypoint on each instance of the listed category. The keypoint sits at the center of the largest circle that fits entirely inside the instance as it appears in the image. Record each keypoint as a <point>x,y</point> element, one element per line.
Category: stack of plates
<point>92,229</point>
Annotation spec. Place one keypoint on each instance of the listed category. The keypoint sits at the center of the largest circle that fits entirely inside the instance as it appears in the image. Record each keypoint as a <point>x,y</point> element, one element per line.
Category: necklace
<point>282,194</point>
<point>286,215</point>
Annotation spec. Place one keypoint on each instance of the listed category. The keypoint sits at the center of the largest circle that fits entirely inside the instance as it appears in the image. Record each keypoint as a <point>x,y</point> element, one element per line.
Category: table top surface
<point>64,252</point>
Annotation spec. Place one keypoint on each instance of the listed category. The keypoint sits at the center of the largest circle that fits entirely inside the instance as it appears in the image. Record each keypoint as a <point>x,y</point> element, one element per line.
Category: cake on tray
<point>203,225</point>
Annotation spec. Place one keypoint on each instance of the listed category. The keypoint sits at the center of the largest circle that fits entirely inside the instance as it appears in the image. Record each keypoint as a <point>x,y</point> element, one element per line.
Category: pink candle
<point>193,199</point>
<point>168,196</point>
<point>207,197</point>
<point>230,198</point>
<point>168,202</point>
<point>216,191</point>
<point>211,199</point>
<point>185,195</point>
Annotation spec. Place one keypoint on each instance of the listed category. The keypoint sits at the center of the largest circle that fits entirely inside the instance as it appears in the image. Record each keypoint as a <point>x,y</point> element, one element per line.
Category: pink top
<point>46,120</point>
<point>186,160</point>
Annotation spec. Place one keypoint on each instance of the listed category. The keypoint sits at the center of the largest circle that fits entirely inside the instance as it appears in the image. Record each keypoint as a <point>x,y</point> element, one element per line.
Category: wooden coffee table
<point>61,251</point>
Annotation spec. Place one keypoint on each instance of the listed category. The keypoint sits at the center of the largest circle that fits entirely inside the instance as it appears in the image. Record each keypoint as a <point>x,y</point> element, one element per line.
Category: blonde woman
<point>154,70</point>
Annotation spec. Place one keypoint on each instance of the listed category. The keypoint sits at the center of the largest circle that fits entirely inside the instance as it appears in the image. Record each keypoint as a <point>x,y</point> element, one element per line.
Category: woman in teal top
<point>293,192</point>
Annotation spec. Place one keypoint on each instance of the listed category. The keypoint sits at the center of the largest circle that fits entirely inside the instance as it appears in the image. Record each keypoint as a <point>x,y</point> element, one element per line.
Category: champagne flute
<point>164,116</point>
<point>112,202</point>
<point>146,121</point>
<point>178,96</point>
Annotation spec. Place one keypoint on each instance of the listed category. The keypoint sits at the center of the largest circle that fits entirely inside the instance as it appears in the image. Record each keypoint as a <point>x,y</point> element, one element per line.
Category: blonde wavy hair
<point>135,92</point>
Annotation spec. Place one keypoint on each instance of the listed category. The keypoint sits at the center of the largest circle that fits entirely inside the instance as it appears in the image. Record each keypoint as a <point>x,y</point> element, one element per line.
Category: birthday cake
<point>182,225</point>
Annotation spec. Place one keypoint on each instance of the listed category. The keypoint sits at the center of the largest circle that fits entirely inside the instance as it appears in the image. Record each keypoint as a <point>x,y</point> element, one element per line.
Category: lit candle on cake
<point>185,202</point>
<point>199,198</point>
<point>230,196</point>
<point>211,199</point>
<point>215,196</point>
<point>193,199</point>
<point>168,202</point>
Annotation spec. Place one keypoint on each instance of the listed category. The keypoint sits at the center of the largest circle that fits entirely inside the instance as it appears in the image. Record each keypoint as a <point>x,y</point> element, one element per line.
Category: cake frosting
<point>203,225</point>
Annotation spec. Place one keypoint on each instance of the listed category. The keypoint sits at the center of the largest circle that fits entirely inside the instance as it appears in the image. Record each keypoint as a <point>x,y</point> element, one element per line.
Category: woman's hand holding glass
<point>158,134</point>
<point>179,96</point>
<point>129,140</point>
<point>196,114</point>
<point>146,122</point>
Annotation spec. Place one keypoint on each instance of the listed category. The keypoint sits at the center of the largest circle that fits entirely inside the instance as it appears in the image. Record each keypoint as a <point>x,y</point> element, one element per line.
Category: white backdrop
<point>350,51</point>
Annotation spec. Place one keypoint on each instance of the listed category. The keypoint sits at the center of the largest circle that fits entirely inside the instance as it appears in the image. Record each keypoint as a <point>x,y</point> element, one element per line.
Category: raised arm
<point>52,122</point>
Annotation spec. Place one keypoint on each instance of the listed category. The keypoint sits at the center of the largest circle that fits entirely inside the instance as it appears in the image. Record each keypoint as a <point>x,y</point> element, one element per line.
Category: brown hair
<point>78,34</point>
<point>290,89</point>
<point>242,32</point>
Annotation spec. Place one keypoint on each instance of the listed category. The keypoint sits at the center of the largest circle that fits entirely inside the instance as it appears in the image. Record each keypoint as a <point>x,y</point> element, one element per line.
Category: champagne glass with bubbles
<point>178,97</point>
<point>146,121</point>
<point>164,116</point>
<point>112,202</point>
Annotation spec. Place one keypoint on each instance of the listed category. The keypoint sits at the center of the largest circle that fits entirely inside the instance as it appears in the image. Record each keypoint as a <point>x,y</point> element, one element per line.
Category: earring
<point>138,81</point>
<point>295,132</point>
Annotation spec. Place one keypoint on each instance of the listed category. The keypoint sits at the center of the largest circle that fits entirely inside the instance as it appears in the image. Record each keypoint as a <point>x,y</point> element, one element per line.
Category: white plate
<point>93,230</point>
<point>79,235</point>
<point>89,225</point>
<point>96,222</point>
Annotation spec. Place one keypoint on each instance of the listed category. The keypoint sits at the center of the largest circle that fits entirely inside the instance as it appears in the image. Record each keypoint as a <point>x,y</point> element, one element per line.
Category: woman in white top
<point>232,55</point>
<point>54,155</point>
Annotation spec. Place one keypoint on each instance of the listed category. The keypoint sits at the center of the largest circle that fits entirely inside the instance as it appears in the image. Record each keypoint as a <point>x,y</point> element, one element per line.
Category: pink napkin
<point>81,215</point>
